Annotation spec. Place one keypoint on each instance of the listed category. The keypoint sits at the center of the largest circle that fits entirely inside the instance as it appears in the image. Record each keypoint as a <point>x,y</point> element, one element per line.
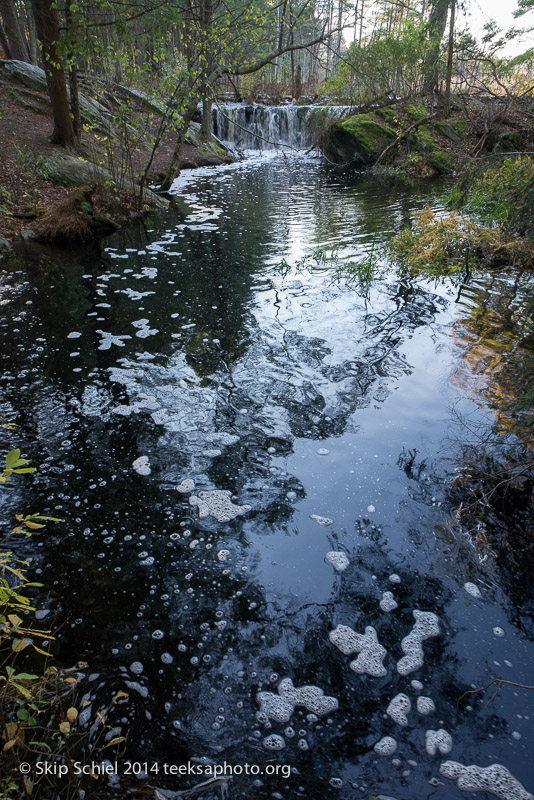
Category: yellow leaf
<point>43,652</point>
<point>14,619</point>
<point>119,695</point>
<point>10,730</point>
<point>19,644</point>
<point>115,741</point>
<point>72,714</point>
<point>65,727</point>
<point>10,744</point>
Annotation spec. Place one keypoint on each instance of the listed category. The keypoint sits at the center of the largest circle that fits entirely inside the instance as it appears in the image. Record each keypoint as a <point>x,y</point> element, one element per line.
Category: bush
<point>502,194</point>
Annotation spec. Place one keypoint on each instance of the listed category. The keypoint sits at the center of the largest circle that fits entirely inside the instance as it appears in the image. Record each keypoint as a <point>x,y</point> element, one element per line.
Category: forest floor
<point>26,194</point>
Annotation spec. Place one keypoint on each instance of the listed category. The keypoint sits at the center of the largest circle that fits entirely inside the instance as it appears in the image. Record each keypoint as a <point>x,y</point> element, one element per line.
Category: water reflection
<point>182,344</point>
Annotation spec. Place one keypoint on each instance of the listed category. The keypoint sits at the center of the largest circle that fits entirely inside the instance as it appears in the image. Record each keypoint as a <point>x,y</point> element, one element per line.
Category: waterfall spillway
<point>256,127</point>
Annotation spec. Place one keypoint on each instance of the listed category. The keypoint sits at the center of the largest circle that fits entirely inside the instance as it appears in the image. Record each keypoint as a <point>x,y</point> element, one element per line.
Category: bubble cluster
<point>388,602</point>
<point>217,503</point>
<point>426,626</point>
<point>398,708</point>
<point>324,522</point>
<point>386,746</point>
<point>274,742</point>
<point>472,589</point>
<point>438,742</point>
<point>495,779</point>
<point>338,559</point>
<point>280,707</point>
<point>142,465</point>
<point>371,652</point>
<point>425,705</point>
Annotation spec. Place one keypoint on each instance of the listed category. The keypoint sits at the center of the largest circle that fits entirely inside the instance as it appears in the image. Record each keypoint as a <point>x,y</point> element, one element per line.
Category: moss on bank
<point>426,143</point>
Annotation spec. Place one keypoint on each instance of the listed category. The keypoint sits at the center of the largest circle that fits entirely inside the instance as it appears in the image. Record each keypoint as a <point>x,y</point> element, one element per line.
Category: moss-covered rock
<point>359,140</point>
<point>415,111</point>
<point>390,115</point>
<point>451,129</point>
<point>437,157</point>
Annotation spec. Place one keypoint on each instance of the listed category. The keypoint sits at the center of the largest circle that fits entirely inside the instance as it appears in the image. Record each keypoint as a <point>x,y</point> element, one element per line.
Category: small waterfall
<point>255,127</point>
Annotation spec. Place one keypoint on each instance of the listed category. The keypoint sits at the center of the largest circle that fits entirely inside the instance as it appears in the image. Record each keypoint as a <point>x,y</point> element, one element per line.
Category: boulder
<point>91,111</point>
<point>360,139</point>
<point>26,74</point>
<point>65,170</point>
<point>5,247</point>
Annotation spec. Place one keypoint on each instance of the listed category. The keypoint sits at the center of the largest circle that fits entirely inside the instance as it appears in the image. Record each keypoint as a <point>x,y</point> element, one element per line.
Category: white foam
<point>371,652</point>
<point>217,503</point>
<point>386,746</point>
<point>438,742</point>
<point>426,626</point>
<point>398,708</point>
<point>274,742</point>
<point>324,522</point>
<point>472,589</point>
<point>142,465</point>
<point>388,602</point>
<point>425,705</point>
<point>311,697</point>
<point>495,779</point>
<point>186,486</point>
<point>338,559</point>
<point>280,707</point>
<point>275,707</point>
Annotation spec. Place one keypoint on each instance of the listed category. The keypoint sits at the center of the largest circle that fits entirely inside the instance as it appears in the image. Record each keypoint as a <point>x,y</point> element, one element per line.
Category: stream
<point>251,459</point>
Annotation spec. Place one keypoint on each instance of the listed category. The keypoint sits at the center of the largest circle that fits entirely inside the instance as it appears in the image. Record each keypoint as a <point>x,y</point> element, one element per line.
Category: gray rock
<point>5,246</point>
<point>65,170</point>
<point>91,111</point>
<point>27,74</point>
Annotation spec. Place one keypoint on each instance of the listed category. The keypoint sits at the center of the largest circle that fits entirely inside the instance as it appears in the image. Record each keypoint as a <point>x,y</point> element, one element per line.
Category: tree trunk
<point>73,77</point>
<point>32,35</point>
<point>449,61</point>
<point>174,166</point>
<point>47,24</point>
<point>207,105</point>
<point>437,23</point>
<point>12,31</point>
<point>4,44</point>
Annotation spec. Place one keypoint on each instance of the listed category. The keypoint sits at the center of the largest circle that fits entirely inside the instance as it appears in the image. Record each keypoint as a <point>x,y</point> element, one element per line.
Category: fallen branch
<point>499,682</point>
<point>402,135</point>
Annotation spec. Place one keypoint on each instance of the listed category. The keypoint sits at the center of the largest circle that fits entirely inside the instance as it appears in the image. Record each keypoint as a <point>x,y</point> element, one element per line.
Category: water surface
<point>206,347</point>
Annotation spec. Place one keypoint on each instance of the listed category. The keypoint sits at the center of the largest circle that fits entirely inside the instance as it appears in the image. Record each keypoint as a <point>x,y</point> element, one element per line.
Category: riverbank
<point>38,177</point>
<point>415,138</point>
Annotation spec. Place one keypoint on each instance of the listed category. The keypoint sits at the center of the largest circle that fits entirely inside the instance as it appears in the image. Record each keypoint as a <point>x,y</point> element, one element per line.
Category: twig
<point>499,682</point>
<point>402,135</point>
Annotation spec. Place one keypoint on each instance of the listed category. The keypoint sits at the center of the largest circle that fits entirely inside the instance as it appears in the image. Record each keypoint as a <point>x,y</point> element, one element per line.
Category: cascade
<point>257,127</point>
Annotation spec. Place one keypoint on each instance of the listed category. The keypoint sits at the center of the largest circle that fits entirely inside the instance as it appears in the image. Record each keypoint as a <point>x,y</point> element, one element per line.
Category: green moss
<point>415,111</point>
<point>451,129</point>
<point>370,136</point>
<point>389,115</point>
<point>438,158</point>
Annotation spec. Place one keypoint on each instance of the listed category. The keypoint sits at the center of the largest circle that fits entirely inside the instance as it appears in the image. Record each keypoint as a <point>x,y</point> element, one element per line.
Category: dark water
<point>187,344</point>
